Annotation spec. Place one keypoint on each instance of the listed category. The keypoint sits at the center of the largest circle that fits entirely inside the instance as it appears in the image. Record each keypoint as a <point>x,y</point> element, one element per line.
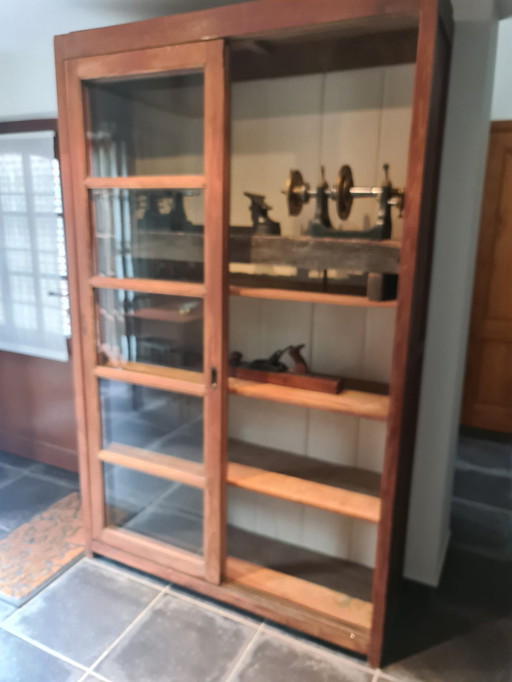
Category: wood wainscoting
<point>488,388</point>
<point>37,418</point>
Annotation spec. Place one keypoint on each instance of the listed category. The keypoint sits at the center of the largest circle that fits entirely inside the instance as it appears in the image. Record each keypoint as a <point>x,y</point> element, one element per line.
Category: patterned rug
<point>36,552</point>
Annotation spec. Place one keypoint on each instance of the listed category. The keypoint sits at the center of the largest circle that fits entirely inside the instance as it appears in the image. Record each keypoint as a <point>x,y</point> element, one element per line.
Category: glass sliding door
<point>148,135</point>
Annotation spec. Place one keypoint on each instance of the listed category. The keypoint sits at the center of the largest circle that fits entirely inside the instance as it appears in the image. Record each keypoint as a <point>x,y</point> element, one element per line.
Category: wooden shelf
<point>342,490</point>
<point>309,297</point>
<point>154,376</point>
<point>335,587</point>
<point>171,467</point>
<point>311,253</point>
<point>357,403</point>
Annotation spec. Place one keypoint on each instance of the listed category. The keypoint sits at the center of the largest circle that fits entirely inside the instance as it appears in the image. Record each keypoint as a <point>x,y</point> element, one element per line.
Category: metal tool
<point>261,221</point>
<point>343,192</point>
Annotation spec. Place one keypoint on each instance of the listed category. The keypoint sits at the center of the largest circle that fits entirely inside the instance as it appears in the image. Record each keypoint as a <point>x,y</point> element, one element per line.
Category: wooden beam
<point>290,58</point>
<point>301,252</point>
<point>153,550</point>
<point>149,286</point>
<point>244,20</point>
<point>148,182</point>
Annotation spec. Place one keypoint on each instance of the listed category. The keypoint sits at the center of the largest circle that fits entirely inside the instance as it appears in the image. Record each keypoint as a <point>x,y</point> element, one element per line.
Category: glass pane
<point>154,507</point>
<point>150,328</point>
<point>149,233</point>
<point>149,419</point>
<point>299,541</point>
<point>146,126</point>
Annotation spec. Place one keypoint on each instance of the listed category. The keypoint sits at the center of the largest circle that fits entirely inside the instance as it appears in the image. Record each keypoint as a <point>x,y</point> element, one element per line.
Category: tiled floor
<point>100,621</point>
<point>40,525</point>
<point>28,488</point>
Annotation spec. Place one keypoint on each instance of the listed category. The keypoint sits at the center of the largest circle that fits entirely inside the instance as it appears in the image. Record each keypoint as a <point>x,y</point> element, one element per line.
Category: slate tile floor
<point>100,621</point>
<point>28,488</point>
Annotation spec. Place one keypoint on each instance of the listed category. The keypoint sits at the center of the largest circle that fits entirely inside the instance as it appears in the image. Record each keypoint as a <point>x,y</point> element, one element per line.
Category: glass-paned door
<point>148,141</point>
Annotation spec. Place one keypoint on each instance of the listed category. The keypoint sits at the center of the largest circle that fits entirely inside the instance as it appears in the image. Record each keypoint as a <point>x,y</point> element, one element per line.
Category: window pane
<point>149,328</point>
<point>154,507</point>
<point>147,126</point>
<point>149,419</point>
<point>153,233</point>
<point>33,286</point>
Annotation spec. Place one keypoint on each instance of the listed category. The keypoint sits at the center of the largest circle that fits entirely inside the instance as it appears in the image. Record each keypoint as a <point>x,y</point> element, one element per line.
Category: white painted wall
<point>458,217</point>
<point>502,95</point>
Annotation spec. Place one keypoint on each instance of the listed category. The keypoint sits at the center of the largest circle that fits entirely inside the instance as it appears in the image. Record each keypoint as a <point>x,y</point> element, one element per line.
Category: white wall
<point>502,95</point>
<point>27,78</point>
<point>458,218</point>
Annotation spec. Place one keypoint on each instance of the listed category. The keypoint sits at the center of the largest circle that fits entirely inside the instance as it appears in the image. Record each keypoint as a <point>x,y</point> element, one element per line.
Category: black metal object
<point>261,221</point>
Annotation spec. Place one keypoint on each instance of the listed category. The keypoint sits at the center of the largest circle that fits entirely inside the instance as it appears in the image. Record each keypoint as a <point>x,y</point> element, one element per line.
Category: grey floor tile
<point>484,654</point>
<point>83,612</point>
<point>6,610</point>
<point>272,658</point>
<point>8,474</point>
<point>177,641</point>
<point>27,496</point>
<point>22,662</point>
<point>16,461</point>
<point>109,563</point>
<point>61,475</point>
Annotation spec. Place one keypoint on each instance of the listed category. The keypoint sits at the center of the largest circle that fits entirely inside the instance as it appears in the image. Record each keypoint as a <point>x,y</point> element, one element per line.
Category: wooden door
<point>147,143</point>
<point>488,389</point>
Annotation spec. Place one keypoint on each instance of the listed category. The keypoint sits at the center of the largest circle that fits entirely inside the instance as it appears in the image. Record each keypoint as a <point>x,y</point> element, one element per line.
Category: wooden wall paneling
<point>28,126</point>
<point>66,145</point>
<point>37,418</point>
<point>244,20</point>
<point>431,80</point>
<point>487,390</point>
<point>216,159</point>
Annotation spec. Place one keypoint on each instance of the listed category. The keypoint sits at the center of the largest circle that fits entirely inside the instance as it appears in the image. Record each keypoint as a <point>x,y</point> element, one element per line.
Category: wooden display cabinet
<point>166,438</point>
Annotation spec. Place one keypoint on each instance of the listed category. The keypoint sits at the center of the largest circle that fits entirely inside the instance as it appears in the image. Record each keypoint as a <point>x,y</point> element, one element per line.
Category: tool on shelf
<point>343,192</point>
<point>261,221</point>
<point>272,370</point>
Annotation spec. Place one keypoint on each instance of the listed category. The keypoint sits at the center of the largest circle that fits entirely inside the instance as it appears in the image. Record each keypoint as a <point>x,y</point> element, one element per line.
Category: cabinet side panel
<point>432,69</point>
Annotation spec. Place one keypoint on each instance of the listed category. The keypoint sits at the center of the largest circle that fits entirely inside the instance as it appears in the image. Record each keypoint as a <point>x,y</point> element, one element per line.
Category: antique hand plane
<point>343,193</point>
<point>272,370</point>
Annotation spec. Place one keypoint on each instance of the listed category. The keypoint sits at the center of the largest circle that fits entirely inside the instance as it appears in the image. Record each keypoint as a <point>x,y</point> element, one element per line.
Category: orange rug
<point>36,552</point>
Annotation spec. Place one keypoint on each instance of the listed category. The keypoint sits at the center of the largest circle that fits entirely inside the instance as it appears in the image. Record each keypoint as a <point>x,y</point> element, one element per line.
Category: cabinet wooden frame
<point>210,58</point>
<point>125,49</point>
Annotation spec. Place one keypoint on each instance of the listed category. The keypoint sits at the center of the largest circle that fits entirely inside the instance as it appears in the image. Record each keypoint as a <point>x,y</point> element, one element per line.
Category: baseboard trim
<point>46,453</point>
